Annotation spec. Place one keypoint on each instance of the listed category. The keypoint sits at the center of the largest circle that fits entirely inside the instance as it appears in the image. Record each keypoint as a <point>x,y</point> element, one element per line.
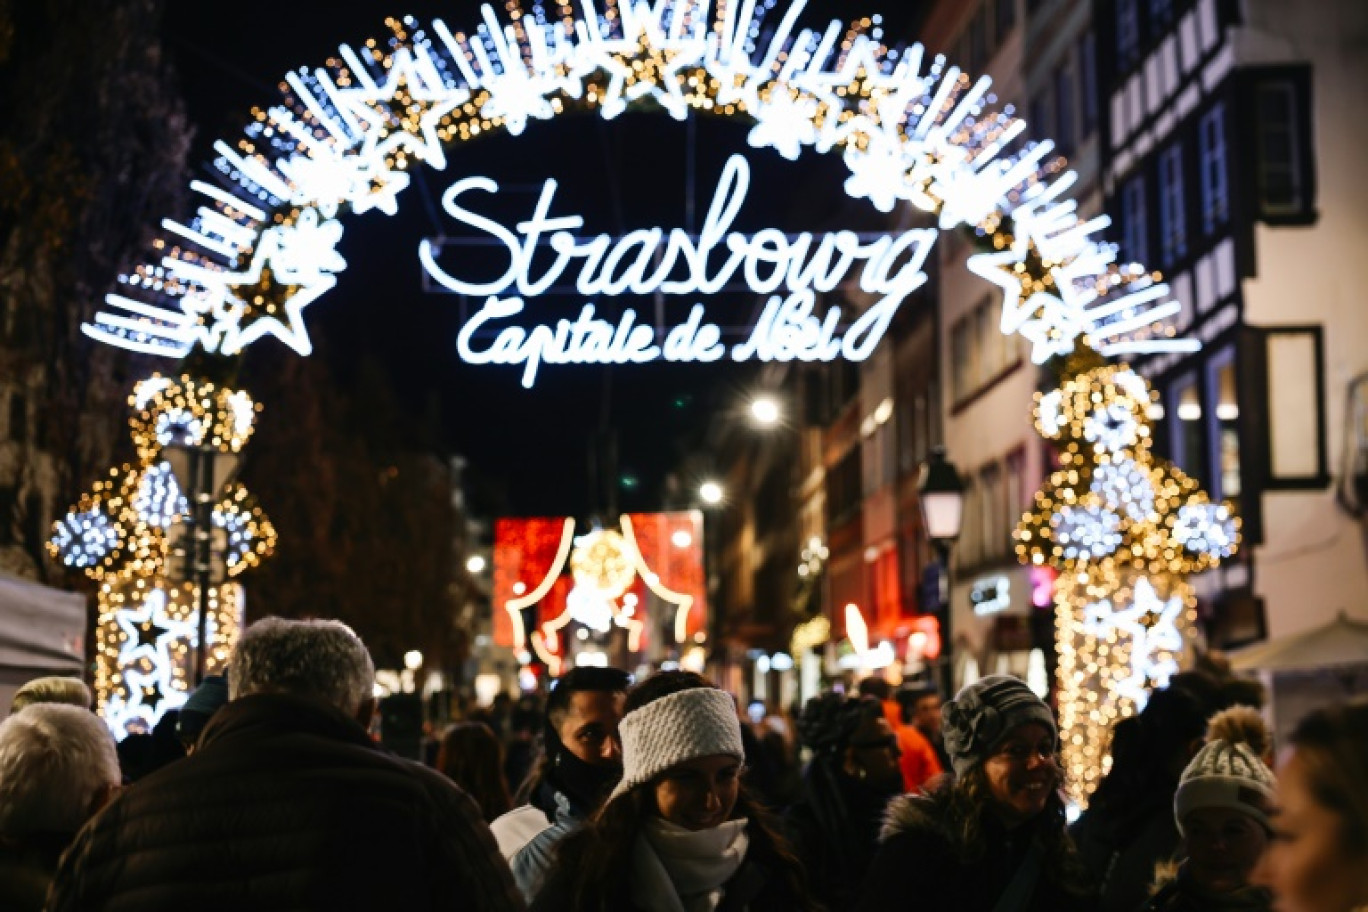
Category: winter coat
<point>1175,892</point>
<point>834,832</point>
<point>920,864</point>
<point>26,869</point>
<point>528,835</point>
<point>750,889</point>
<point>1123,847</point>
<point>287,804</point>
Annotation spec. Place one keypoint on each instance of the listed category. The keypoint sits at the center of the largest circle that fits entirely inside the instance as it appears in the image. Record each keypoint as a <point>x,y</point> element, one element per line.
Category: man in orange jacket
<point>918,762</point>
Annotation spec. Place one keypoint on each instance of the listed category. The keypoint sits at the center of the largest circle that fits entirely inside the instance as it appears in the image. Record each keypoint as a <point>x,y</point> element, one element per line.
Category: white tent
<point>42,632</point>
<point>1308,670</point>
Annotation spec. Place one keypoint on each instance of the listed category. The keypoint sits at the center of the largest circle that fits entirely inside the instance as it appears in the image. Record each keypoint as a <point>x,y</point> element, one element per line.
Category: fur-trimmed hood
<point>911,813</point>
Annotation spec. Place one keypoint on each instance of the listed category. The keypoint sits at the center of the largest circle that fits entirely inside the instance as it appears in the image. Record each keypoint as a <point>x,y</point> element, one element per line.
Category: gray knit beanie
<point>1228,771</point>
<point>699,722</point>
<point>983,713</point>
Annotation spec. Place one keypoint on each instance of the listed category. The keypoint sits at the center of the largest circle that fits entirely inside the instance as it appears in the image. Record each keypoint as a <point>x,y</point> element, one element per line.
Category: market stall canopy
<point>42,630</point>
<point>1341,642</point>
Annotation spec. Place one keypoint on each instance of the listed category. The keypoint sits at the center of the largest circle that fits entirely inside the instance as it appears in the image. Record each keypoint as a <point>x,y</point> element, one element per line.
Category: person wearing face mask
<point>679,833</point>
<point>853,774</point>
<point>581,761</point>
<point>1317,860</point>
<point>993,838</point>
<point>1221,808</point>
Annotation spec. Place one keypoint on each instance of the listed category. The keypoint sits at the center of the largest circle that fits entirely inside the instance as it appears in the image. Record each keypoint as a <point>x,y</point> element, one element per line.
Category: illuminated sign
<point>793,270</point>
<point>991,595</point>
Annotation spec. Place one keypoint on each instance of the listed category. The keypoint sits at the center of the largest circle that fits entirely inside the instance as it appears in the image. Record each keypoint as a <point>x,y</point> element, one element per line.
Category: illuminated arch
<point>262,246</point>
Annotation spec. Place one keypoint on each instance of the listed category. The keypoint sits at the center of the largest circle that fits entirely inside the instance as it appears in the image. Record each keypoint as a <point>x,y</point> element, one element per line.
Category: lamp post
<point>202,470</point>
<point>941,493</point>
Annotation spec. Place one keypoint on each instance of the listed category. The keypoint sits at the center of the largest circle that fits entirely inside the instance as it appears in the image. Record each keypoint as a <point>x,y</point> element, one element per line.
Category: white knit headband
<point>699,722</point>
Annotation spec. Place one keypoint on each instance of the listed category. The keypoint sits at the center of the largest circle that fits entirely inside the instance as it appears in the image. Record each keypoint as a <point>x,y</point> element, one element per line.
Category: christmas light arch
<point>910,128</point>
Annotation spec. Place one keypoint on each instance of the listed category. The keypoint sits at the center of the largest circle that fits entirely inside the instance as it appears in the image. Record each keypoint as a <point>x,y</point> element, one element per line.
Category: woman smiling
<point>993,839</point>
<point>679,833</point>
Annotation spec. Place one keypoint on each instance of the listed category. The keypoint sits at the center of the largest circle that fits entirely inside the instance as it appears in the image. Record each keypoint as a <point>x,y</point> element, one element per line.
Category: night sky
<point>529,446</point>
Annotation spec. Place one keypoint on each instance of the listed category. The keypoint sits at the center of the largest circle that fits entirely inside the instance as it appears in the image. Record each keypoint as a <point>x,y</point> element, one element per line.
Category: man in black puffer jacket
<point>288,804</point>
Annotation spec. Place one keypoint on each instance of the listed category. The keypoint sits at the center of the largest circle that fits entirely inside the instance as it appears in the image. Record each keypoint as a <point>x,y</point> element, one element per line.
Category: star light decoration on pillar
<point>121,535</point>
<point>910,127</point>
<point>1124,530</point>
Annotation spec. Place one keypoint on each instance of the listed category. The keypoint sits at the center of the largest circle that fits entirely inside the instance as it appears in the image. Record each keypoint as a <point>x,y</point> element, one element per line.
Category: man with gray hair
<point>57,768</point>
<point>289,804</point>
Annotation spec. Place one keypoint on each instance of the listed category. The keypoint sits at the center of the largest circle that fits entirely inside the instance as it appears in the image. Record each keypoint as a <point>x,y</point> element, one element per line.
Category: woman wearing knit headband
<point>993,839</point>
<point>678,833</point>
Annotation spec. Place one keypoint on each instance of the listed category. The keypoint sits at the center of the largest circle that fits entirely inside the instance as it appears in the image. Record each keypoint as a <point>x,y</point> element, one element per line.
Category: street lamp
<point>202,471</point>
<point>765,411</point>
<point>941,493</point>
<point>710,492</point>
<point>475,564</point>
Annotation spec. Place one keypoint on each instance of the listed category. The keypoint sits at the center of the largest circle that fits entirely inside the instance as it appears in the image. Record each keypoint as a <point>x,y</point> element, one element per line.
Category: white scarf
<point>679,870</point>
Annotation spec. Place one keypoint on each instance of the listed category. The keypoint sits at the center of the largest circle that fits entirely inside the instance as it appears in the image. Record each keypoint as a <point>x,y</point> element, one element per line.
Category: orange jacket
<point>919,761</point>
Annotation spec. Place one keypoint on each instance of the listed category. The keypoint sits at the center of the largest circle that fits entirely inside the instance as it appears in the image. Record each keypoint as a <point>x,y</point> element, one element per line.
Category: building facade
<point>1230,162</point>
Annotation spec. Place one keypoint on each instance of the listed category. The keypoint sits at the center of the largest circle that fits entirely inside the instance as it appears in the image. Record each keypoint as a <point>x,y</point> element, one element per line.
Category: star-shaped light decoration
<point>1155,641</point>
<point>149,631</point>
<point>401,116</point>
<point>325,181</point>
<point>645,62</point>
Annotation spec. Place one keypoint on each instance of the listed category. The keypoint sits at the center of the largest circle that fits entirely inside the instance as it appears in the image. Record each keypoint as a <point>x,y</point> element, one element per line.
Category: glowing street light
<point>475,564</point>
<point>765,411</point>
<point>413,660</point>
<point>710,492</point>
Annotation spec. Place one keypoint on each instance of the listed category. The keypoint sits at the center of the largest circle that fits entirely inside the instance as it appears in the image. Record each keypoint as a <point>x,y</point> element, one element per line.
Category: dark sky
<point>531,445</point>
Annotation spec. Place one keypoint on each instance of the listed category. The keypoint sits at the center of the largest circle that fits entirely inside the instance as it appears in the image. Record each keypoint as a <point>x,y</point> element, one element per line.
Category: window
<point>1087,80</point>
<point>1040,126</point>
<point>1127,34</point>
<point>18,417</point>
<point>1172,217</point>
<point>1224,405</point>
<point>1187,427</point>
<point>981,353</point>
<point>1279,149</point>
<point>9,502</point>
<point>1212,169</point>
<point>1161,15</point>
<point>1064,109</point>
<point>978,42</point>
<point>992,513</point>
<point>1006,18</point>
<point>1134,226</point>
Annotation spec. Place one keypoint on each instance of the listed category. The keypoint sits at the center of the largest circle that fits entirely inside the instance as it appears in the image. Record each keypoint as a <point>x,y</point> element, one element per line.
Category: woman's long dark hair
<point>962,808</point>
<point>597,855</point>
<point>472,757</point>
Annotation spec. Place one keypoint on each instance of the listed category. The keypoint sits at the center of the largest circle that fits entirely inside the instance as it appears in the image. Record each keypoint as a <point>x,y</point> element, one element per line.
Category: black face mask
<point>586,784</point>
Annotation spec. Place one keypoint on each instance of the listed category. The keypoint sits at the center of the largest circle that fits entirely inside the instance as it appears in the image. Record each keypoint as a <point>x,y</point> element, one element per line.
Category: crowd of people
<point>269,791</point>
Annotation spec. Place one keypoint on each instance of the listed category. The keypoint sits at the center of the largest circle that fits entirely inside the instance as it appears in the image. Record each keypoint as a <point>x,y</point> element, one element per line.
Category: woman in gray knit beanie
<point>992,839</point>
<point>679,833</point>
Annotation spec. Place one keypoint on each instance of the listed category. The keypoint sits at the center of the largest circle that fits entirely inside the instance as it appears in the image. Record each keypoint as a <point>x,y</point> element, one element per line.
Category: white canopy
<point>42,630</point>
<point>1339,643</point>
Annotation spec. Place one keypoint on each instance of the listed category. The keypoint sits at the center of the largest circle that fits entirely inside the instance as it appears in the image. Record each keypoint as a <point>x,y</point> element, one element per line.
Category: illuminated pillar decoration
<point>1124,531</point>
<point>122,535</point>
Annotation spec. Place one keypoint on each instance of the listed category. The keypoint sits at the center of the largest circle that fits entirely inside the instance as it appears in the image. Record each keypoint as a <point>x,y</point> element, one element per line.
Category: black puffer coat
<point>921,865</point>
<point>287,804</point>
